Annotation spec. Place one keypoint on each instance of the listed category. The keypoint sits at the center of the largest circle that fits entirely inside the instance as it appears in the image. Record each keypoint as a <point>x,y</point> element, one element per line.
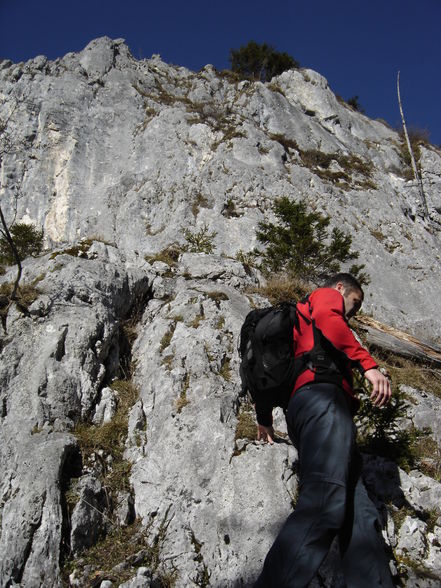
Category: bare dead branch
<point>416,174</point>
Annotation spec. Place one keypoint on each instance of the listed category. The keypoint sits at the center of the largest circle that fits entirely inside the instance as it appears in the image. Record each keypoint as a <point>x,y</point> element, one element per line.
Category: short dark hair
<point>349,282</point>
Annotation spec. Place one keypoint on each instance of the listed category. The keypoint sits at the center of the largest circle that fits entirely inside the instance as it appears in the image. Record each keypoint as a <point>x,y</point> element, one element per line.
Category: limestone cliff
<point>115,158</point>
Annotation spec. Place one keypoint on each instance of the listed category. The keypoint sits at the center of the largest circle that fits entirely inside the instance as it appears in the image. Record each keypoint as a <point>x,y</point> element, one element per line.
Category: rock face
<point>125,155</point>
<point>100,144</point>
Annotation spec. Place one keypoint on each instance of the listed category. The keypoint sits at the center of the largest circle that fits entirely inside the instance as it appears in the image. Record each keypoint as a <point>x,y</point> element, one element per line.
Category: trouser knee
<point>323,502</point>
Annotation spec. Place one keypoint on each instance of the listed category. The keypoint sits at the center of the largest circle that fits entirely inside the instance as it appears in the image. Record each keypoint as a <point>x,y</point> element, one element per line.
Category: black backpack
<point>268,369</point>
<point>266,348</point>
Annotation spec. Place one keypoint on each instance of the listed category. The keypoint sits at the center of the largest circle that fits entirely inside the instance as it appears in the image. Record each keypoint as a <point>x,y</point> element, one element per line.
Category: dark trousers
<point>332,499</point>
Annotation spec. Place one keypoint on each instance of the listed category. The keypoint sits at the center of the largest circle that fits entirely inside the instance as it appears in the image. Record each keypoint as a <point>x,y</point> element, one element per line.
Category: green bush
<point>381,431</point>
<point>27,239</point>
<point>354,103</point>
<point>299,244</point>
<point>199,242</point>
<point>260,62</point>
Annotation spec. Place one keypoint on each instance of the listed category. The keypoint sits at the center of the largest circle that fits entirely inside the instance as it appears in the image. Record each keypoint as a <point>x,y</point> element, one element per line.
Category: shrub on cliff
<point>27,239</point>
<point>260,62</point>
<point>299,244</point>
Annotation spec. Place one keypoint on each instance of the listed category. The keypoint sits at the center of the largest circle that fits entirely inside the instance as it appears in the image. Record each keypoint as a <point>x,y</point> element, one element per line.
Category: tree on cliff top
<point>260,62</point>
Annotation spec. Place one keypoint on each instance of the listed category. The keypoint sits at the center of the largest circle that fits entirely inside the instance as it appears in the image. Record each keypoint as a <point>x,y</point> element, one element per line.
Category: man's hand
<point>381,391</point>
<point>265,434</point>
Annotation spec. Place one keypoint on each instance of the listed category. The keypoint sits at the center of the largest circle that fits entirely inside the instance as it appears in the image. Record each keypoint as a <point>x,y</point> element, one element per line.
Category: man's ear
<point>340,288</point>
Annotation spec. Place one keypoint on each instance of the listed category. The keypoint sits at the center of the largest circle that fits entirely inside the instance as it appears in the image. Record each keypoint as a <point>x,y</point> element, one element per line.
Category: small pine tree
<point>199,242</point>
<point>27,239</point>
<point>300,246</point>
<point>260,62</point>
<point>354,102</point>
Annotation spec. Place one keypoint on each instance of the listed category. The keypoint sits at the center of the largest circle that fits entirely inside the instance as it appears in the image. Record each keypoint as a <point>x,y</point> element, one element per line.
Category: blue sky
<point>359,46</point>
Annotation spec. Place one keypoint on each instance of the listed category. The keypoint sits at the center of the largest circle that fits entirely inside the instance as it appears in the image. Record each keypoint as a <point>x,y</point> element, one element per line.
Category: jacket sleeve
<point>327,310</point>
<point>264,414</point>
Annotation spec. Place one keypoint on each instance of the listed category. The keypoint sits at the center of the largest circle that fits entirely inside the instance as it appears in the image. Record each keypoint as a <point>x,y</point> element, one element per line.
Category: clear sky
<point>358,45</point>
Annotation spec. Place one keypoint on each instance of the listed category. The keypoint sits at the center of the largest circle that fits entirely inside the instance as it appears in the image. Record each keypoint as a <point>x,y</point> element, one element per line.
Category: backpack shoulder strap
<point>308,319</point>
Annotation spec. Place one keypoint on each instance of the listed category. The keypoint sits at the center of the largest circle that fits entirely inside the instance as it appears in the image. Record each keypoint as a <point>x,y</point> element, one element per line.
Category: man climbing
<point>332,499</point>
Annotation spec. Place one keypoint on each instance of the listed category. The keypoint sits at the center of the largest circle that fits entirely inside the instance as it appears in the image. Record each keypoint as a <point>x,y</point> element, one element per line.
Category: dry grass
<point>81,249</point>
<point>167,337</point>
<point>282,289</point>
<point>169,255</point>
<point>182,401</point>
<point>26,294</point>
<point>225,370</point>
<point>217,296</point>
<point>131,546</point>
<point>287,144</point>
<point>428,454</point>
<point>199,202</point>
<point>196,321</point>
<point>411,373</point>
<point>110,438</point>
<point>246,427</point>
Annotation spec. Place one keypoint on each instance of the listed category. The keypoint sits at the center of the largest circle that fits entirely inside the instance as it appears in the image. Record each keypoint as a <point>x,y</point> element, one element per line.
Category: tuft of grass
<point>197,321</point>
<point>287,144</point>
<point>399,514</point>
<point>217,296</point>
<point>199,201</point>
<point>247,259</point>
<point>167,362</point>
<point>26,295</point>
<point>109,438</point>
<point>182,401</point>
<point>229,76</point>
<point>225,369</point>
<point>378,235</point>
<point>246,427</point>
<point>427,454</point>
<point>220,323</point>
<point>169,255</point>
<point>79,250</point>
<point>320,162</point>
<point>279,288</point>
<point>411,373</point>
<point>275,88</point>
<point>229,209</point>
<point>167,337</point>
<point>117,556</point>
<point>404,563</point>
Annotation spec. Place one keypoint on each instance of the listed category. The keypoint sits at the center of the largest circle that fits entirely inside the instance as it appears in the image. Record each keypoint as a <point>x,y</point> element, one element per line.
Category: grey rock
<point>433,559</point>
<point>40,307</point>
<point>125,512</point>
<point>89,515</point>
<point>411,539</point>
<point>424,411</point>
<point>31,510</point>
<point>143,578</point>
<point>51,374</point>
<point>106,407</point>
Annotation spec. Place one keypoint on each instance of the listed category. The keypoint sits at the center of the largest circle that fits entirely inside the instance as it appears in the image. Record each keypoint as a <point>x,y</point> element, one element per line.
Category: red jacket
<point>325,307</point>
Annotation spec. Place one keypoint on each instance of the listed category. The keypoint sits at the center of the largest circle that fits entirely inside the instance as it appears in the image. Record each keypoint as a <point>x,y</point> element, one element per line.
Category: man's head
<point>351,290</point>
